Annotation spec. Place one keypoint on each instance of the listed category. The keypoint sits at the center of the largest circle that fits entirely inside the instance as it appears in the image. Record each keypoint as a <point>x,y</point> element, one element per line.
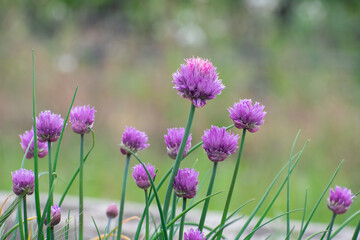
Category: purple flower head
<point>219,143</point>
<point>112,211</point>
<point>185,183</point>
<point>55,215</point>
<point>340,200</point>
<point>198,81</point>
<point>134,139</point>
<point>25,141</point>
<point>23,181</point>
<point>173,141</point>
<point>49,126</point>
<point>194,234</point>
<point>140,176</point>
<point>82,119</point>
<point>246,116</point>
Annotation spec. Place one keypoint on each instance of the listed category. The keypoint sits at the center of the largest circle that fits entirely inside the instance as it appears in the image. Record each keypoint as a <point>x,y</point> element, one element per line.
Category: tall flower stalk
<point>142,181</point>
<point>198,81</point>
<point>82,121</point>
<point>249,118</point>
<point>339,202</point>
<point>185,187</point>
<point>218,144</point>
<point>136,141</point>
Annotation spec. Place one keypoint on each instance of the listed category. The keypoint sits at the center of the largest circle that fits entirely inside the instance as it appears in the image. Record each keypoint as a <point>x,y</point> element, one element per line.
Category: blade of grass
<point>271,220</point>
<point>288,187</point>
<point>298,155</point>
<point>304,212</point>
<point>315,234</point>
<point>357,230</point>
<point>318,202</point>
<point>97,229</point>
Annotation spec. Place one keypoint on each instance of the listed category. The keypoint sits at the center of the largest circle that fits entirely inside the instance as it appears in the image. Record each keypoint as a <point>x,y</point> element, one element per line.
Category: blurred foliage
<point>299,58</point>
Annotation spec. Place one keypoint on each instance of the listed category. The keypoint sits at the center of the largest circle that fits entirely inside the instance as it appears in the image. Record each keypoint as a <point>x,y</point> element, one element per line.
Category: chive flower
<point>198,81</point>
<point>55,215</point>
<point>140,176</point>
<point>82,119</point>
<point>247,116</point>
<point>340,199</point>
<point>49,126</point>
<point>26,139</point>
<point>134,140</point>
<point>23,181</point>
<point>112,211</point>
<point>185,183</point>
<point>219,143</point>
<point>173,141</point>
<point>194,234</point>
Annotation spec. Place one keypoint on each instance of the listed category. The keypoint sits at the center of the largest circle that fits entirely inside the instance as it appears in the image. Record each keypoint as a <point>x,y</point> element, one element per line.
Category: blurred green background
<point>301,59</point>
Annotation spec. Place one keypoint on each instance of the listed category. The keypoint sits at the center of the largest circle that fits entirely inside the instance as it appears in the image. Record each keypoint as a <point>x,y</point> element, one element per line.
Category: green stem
<point>48,210</point>
<point>227,204</point>
<point>173,212</point>
<point>25,219</point>
<point>107,229</point>
<point>21,227</point>
<point>181,231</point>
<point>122,200</point>
<point>147,216</point>
<point>52,235</point>
<point>207,201</point>
<point>331,226</point>
<point>178,160</point>
<point>36,164</point>
<point>357,230</point>
<point>81,190</point>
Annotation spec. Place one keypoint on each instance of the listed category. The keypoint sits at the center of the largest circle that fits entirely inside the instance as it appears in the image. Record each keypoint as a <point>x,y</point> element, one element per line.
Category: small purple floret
<point>134,140</point>
<point>194,234</point>
<point>246,116</point>
<point>339,201</point>
<point>112,211</point>
<point>23,181</point>
<point>140,176</point>
<point>82,119</point>
<point>55,215</point>
<point>219,143</point>
<point>198,81</point>
<point>25,140</point>
<point>173,141</point>
<point>49,126</point>
<point>185,183</point>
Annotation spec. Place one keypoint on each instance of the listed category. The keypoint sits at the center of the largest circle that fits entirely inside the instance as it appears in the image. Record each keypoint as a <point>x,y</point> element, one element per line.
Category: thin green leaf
<point>97,229</point>
<point>11,208</point>
<point>304,212</point>
<point>315,234</point>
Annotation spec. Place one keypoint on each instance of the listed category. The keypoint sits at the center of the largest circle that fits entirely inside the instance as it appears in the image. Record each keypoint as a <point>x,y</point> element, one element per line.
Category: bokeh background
<point>299,58</point>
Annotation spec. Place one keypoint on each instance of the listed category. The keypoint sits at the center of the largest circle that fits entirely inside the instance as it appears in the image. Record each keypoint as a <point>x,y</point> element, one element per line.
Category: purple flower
<point>23,181</point>
<point>55,215</point>
<point>82,119</point>
<point>25,140</point>
<point>246,116</point>
<point>112,211</point>
<point>340,200</point>
<point>193,234</point>
<point>219,143</point>
<point>173,141</point>
<point>49,126</point>
<point>134,140</point>
<point>185,183</point>
<point>198,81</point>
<point>140,176</point>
